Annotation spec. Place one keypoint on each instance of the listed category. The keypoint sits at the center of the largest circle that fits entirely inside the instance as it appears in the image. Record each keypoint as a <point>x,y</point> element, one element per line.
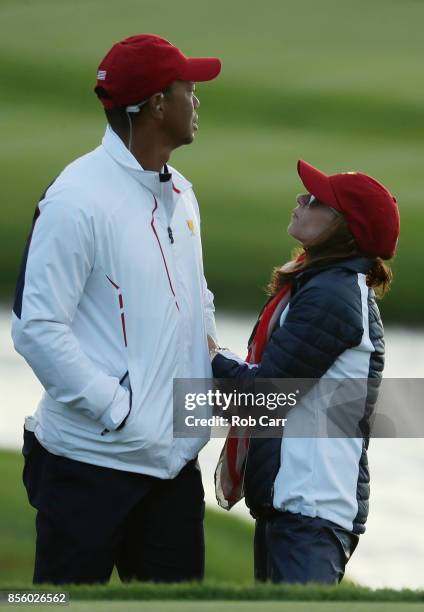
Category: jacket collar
<point>356,264</point>
<point>153,181</point>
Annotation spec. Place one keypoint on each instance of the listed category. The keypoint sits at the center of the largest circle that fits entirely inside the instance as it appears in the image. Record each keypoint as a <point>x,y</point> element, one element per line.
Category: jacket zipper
<point>171,238</point>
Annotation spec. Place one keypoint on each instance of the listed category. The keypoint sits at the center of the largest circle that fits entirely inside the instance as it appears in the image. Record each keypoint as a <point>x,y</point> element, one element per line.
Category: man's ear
<point>156,105</point>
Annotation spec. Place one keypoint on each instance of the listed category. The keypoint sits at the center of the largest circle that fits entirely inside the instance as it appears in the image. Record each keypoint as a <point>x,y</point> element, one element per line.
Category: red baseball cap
<point>139,66</point>
<point>369,208</point>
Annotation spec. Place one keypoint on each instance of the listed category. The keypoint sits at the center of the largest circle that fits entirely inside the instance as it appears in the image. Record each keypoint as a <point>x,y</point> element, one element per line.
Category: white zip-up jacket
<point>112,291</point>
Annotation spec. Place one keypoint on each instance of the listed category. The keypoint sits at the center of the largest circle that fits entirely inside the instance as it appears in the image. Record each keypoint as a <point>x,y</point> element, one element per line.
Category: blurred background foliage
<point>333,82</point>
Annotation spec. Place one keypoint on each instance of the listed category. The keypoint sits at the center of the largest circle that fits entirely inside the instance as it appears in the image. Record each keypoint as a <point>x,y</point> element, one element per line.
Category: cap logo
<point>101,75</point>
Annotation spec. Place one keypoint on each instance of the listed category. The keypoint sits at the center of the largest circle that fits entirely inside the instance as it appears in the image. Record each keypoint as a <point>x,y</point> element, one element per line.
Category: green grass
<point>213,591</point>
<point>225,606</point>
<point>332,82</point>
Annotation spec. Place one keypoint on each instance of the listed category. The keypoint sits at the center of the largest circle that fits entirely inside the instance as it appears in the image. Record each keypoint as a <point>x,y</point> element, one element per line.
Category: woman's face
<point>310,219</point>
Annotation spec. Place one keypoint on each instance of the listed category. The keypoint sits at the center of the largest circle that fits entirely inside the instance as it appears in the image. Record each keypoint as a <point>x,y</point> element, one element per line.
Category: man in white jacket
<point>111,305</point>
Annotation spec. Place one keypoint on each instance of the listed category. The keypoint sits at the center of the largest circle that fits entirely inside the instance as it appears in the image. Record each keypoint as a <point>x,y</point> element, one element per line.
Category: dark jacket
<point>333,322</point>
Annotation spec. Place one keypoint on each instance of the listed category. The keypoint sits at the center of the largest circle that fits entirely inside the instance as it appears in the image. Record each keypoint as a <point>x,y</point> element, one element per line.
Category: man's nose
<point>196,102</point>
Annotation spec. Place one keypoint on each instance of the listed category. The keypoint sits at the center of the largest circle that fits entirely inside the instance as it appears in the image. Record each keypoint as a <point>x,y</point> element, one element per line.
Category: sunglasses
<point>308,201</point>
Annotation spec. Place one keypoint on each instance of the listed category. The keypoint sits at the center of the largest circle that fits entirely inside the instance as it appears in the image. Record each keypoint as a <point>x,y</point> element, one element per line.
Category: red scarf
<point>229,473</point>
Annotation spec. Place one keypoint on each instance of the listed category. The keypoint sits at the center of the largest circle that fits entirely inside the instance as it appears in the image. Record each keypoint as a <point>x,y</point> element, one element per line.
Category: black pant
<point>295,548</point>
<point>90,518</point>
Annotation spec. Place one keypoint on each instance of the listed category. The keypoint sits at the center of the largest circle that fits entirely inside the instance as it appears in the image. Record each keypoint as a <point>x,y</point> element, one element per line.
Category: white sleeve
<point>208,297</point>
<point>209,310</point>
<point>59,261</point>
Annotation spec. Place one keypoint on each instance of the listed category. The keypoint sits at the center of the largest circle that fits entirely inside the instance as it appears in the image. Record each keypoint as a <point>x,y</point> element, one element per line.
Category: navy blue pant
<point>90,518</point>
<point>295,548</point>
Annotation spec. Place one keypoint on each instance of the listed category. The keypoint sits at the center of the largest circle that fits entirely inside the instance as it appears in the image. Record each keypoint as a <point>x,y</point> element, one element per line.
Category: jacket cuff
<point>117,412</point>
<point>230,355</point>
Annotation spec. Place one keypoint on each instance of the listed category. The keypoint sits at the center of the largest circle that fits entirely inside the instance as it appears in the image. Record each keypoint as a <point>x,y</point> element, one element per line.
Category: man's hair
<point>117,118</point>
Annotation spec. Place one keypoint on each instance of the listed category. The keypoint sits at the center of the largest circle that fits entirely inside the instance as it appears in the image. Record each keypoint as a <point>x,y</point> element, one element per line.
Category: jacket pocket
<point>124,382</point>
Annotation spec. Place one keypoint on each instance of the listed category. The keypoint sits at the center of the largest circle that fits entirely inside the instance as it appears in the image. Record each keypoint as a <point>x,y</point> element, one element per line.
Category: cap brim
<point>317,183</point>
<point>201,69</point>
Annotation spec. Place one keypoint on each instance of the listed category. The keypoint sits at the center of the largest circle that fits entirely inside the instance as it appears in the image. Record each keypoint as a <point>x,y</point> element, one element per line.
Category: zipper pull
<point>171,237</point>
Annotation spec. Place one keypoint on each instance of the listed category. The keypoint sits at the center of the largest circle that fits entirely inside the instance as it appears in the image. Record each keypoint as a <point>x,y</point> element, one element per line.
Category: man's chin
<point>186,140</point>
<point>189,138</point>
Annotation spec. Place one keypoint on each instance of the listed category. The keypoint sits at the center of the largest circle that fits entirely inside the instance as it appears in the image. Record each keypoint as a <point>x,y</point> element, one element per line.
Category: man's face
<point>180,113</point>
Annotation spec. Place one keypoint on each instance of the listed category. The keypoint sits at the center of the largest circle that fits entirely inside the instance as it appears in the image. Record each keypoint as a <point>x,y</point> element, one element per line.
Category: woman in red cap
<point>309,495</point>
